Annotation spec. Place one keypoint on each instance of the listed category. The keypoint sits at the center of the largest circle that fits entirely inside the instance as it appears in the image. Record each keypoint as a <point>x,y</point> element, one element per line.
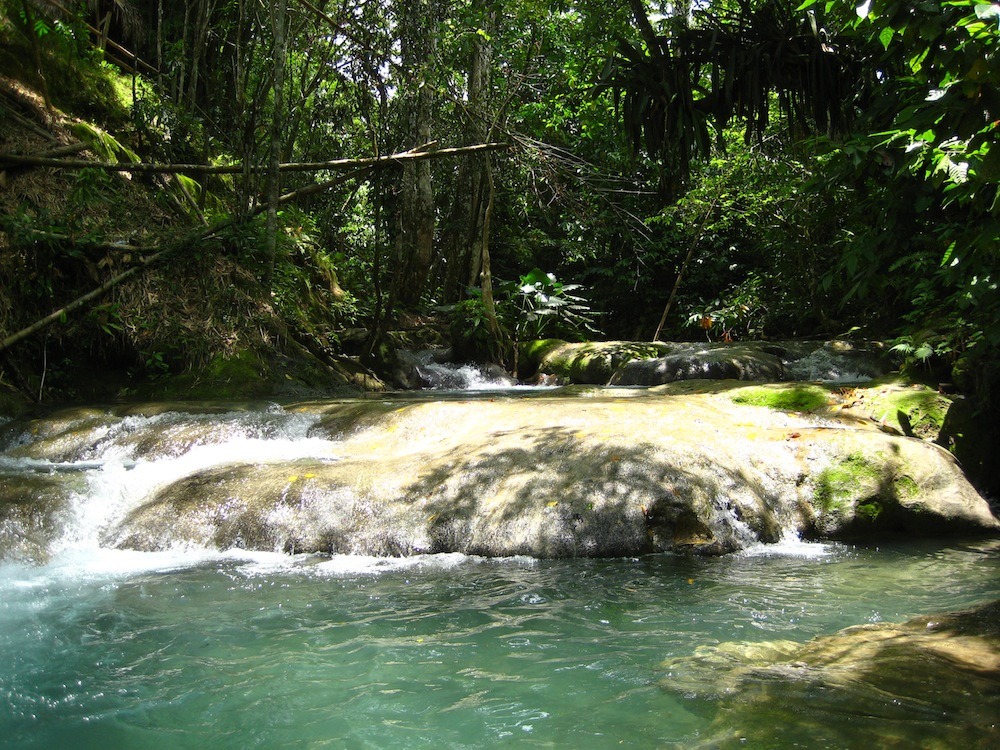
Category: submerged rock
<point>615,473</point>
<point>930,682</point>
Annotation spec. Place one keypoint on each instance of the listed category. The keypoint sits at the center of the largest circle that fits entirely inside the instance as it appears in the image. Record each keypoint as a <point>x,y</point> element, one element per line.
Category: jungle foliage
<point>804,168</point>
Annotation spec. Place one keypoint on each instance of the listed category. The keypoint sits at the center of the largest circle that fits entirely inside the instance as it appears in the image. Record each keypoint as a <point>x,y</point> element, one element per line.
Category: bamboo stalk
<point>24,122</point>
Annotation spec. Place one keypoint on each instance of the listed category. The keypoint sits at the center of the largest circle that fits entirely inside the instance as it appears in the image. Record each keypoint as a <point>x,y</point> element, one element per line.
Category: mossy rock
<point>530,354</point>
<point>951,421</point>
<point>913,409</point>
<point>791,397</point>
<point>32,510</point>
<point>592,362</point>
<point>239,376</point>
<point>879,486</point>
<point>715,361</point>
<point>845,486</point>
<point>928,683</point>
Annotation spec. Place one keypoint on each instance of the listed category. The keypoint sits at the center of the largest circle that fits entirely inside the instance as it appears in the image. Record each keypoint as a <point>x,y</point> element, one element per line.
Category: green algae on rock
<point>794,397</point>
<point>929,682</point>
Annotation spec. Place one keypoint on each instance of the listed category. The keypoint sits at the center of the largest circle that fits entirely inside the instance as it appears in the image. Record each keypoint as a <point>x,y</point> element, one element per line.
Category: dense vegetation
<point>758,168</point>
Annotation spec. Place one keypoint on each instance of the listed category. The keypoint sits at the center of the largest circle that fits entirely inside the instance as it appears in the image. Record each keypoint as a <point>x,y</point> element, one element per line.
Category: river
<point>194,647</point>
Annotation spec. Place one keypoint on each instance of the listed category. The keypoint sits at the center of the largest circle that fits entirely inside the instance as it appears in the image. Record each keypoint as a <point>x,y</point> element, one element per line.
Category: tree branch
<point>421,152</point>
<point>646,28</point>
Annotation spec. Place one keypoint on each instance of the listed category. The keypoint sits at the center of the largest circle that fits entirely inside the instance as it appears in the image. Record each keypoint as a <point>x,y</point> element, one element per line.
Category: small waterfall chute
<point>434,372</point>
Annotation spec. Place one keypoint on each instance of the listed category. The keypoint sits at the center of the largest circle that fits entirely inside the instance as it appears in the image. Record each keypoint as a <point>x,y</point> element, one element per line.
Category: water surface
<point>104,649</point>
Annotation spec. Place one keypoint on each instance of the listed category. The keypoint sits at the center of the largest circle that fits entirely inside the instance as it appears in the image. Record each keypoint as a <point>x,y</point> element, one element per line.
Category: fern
<point>102,143</point>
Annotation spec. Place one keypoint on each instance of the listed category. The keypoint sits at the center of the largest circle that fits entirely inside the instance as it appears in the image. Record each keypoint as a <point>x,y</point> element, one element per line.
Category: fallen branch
<point>67,150</point>
<point>37,235</point>
<point>24,122</point>
<point>334,165</point>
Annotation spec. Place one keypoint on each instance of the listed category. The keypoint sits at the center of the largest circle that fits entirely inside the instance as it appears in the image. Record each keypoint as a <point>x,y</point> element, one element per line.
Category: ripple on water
<point>245,650</point>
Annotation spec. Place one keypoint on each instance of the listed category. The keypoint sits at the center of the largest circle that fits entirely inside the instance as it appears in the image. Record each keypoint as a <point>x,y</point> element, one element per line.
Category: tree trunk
<point>466,235</point>
<point>178,83</point>
<point>415,235</point>
<point>489,305</point>
<point>279,15</point>
<point>159,46</point>
<point>199,39</point>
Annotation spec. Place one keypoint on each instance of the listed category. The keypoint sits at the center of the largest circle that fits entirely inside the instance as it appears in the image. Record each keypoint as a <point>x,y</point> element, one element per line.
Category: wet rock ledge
<point>693,467</point>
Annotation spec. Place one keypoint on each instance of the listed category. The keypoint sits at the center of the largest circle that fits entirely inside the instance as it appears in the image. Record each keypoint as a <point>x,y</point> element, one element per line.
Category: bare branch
<point>421,152</point>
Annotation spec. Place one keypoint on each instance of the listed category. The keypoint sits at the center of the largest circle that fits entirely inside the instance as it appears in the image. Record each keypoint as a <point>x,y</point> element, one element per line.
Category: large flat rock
<point>607,472</point>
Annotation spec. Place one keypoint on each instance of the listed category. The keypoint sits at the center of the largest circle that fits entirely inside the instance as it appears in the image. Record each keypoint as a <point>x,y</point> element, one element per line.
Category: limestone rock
<point>655,363</point>
<point>32,513</point>
<point>713,362</point>
<point>616,472</point>
<point>929,682</point>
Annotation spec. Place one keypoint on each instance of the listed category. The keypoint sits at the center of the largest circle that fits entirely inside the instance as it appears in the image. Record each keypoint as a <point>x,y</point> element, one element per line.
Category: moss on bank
<point>794,397</point>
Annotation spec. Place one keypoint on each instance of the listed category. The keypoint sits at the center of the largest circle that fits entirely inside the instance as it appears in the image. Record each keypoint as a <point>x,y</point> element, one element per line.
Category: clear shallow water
<point>102,649</point>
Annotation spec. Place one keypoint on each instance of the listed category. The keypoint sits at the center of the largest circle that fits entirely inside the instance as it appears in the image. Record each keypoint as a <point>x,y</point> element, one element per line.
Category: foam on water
<point>790,545</point>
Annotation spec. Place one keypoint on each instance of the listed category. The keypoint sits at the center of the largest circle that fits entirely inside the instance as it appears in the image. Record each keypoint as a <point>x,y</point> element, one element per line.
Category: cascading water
<point>449,376</point>
<point>116,463</point>
<point>192,645</point>
<point>828,365</point>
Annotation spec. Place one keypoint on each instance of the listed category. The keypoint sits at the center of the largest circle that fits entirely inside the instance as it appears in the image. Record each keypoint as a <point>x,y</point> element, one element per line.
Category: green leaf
<point>946,258</point>
<point>885,36</point>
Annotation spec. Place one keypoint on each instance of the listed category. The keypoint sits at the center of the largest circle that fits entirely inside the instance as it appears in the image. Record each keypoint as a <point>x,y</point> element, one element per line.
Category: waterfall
<point>833,362</point>
<point>440,375</point>
<point>104,466</point>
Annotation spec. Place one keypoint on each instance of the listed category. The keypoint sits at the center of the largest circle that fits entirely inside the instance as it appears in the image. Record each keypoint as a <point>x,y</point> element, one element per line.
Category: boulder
<point>655,363</point>
<point>708,361</point>
<point>608,473</point>
<point>33,512</point>
<point>592,362</point>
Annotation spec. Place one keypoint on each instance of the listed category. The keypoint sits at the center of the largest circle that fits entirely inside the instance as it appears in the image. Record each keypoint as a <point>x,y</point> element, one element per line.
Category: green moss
<point>838,486</point>
<point>531,353</point>
<point>913,409</point>
<point>77,79</point>
<point>868,510</point>
<point>237,376</point>
<point>904,486</point>
<point>798,397</point>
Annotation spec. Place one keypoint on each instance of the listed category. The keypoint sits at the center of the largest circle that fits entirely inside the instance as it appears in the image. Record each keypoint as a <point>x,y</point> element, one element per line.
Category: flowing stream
<point>105,648</point>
